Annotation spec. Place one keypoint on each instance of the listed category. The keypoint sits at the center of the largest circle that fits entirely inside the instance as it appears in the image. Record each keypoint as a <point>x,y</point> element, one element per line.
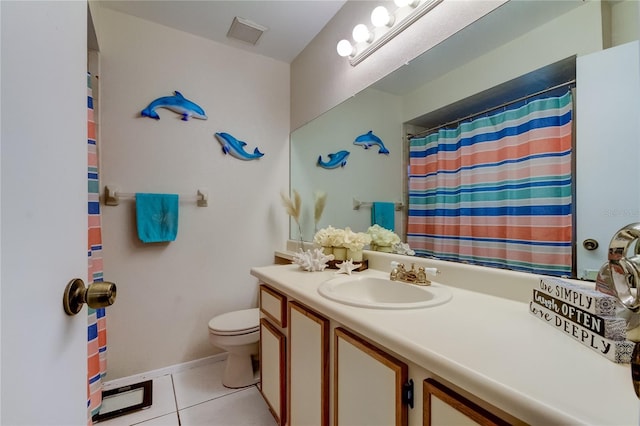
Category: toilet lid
<point>236,322</point>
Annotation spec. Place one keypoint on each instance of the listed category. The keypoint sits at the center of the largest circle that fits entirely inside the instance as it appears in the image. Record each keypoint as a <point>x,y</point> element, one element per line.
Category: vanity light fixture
<point>345,48</point>
<point>387,25</point>
<point>380,17</point>
<point>361,34</point>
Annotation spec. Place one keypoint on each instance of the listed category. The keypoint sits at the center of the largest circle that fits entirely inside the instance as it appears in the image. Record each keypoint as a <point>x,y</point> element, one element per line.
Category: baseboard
<point>176,368</point>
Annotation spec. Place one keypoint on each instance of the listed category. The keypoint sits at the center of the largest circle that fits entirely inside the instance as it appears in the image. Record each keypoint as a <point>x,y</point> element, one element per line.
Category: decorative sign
<point>609,327</point>
<point>586,315</point>
<point>589,300</point>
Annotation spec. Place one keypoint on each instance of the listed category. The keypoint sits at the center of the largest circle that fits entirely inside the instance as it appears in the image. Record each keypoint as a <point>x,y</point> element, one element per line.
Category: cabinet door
<point>368,383</point>
<point>308,367</point>
<point>442,406</point>
<point>272,369</point>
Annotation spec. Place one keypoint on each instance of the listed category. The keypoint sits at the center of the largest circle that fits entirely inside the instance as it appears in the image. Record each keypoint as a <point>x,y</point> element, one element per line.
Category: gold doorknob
<point>97,295</point>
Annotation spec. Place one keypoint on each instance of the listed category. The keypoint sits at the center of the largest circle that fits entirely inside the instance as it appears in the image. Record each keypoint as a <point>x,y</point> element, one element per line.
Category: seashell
<point>312,260</point>
<point>347,266</point>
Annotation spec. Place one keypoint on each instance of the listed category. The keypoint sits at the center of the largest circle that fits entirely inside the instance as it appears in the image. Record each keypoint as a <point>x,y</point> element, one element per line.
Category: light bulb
<point>380,17</point>
<point>361,34</point>
<point>345,48</point>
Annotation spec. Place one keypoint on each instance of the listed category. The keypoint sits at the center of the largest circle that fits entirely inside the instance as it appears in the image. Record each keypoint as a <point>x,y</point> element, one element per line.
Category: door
<point>43,211</point>
<point>607,151</point>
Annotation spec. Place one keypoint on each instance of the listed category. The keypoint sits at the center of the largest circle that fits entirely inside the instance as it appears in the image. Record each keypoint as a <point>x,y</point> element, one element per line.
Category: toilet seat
<point>236,323</point>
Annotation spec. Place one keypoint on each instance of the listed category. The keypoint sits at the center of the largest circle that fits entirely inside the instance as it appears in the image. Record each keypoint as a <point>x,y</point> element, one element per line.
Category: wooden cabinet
<point>273,305</point>
<point>308,367</point>
<point>367,383</point>
<point>273,352</point>
<point>443,406</point>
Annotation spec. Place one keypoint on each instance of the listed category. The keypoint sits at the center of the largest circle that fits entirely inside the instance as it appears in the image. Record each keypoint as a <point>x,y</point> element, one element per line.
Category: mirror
<point>512,41</point>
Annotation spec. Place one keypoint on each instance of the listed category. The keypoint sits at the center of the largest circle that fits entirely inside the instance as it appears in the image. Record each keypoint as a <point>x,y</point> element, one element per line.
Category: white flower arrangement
<point>382,237</point>
<point>336,237</point>
<point>325,236</point>
<point>355,241</point>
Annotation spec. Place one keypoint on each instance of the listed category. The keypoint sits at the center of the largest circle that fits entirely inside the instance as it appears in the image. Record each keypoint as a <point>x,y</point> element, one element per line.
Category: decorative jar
<point>340,253</point>
<point>354,255</point>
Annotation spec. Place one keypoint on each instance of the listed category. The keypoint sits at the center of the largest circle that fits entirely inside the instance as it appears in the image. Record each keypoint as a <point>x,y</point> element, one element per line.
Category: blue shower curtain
<point>497,190</point>
<point>97,331</point>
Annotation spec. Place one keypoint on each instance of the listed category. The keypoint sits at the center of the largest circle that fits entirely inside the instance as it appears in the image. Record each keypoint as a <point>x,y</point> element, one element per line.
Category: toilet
<point>238,333</point>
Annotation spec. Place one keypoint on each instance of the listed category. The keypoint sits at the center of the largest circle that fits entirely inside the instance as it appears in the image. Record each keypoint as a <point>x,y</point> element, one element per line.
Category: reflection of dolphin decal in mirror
<point>176,103</point>
<point>336,159</point>
<point>233,146</point>
<point>368,140</point>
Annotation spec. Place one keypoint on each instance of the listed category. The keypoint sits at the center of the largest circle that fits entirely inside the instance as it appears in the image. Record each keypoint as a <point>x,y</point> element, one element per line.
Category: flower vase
<point>384,249</point>
<point>354,255</point>
<point>340,253</point>
<point>327,250</point>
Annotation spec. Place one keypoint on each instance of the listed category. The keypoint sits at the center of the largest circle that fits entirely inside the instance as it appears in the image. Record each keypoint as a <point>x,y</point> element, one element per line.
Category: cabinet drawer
<point>273,305</point>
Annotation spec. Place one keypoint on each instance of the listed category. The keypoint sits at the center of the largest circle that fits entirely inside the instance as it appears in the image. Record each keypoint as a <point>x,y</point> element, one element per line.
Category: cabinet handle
<point>407,393</point>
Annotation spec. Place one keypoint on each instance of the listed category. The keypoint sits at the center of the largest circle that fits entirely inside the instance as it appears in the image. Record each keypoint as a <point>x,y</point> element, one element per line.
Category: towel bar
<point>357,204</point>
<point>112,196</point>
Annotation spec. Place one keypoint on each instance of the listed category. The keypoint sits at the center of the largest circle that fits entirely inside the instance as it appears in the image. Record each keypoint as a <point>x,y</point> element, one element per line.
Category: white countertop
<point>490,346</point>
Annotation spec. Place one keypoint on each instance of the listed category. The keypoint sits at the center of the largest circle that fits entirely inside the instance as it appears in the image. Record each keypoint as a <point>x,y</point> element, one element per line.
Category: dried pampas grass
<point>320,202</point>
<point>293,207</point>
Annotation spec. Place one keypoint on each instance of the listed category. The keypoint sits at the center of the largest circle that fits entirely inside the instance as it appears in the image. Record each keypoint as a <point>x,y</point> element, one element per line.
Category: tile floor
<point>196,397</point>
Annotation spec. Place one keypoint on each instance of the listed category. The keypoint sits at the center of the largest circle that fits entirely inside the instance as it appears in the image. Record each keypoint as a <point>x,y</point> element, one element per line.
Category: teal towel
<point>157,217</point>
<point>383,214</point>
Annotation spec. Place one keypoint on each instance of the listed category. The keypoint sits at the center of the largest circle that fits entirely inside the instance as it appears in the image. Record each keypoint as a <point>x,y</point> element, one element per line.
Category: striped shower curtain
<point>497,191</point>
<point>97,331</point>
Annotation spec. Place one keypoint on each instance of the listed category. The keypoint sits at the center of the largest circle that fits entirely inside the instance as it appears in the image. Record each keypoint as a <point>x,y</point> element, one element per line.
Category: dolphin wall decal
<point>368,140</point>
<point>336,159</point>
<point>176,103</point>
<point>233,146</point>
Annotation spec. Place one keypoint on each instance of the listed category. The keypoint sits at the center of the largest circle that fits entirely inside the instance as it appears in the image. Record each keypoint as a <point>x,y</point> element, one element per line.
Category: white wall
<point>168,292</point>
<point>320,79</point>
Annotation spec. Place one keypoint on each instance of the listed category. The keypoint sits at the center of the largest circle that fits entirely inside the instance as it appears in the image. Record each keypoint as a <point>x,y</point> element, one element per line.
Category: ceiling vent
<point>245,30</point>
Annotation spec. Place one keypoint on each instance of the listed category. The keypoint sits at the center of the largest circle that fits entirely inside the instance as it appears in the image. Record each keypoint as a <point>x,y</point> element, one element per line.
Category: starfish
<point>347,266</point>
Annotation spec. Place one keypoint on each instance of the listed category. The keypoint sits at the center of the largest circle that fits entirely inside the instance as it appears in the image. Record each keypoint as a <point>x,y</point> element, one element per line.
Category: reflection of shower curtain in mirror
<point>497,191</point>
<point>97,332</point>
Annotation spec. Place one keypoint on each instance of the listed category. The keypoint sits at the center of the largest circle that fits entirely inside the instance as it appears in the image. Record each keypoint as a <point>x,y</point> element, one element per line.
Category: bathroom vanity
<point>481,357</point>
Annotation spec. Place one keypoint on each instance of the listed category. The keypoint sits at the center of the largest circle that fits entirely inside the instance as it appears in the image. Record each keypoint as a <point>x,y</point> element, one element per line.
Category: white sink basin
<point>381,293</point>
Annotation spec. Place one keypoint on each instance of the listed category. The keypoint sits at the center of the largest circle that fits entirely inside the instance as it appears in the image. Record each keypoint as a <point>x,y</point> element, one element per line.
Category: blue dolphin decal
<point>337,159</point>
<point>233,146</point>
<point>176,103</point>
<point>368,140</point>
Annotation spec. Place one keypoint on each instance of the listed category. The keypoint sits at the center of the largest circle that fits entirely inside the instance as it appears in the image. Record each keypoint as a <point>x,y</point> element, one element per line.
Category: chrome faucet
<point>412,276</point>
<point>621,272</point>
<point>617,277</point>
